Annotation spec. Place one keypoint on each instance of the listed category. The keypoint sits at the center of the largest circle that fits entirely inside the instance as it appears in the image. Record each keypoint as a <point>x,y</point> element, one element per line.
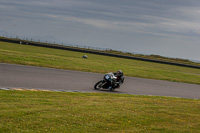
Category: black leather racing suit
<point>120,79</point>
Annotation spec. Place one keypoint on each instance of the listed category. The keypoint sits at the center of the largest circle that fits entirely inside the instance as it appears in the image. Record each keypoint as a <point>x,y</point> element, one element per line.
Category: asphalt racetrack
<point>30,77</point>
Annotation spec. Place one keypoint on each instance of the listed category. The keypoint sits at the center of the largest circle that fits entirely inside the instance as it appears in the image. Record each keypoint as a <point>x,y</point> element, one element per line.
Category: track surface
<point>29,77</point>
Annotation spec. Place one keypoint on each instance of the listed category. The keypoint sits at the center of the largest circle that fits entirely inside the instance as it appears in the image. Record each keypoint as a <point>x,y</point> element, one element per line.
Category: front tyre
<point>98,85</point>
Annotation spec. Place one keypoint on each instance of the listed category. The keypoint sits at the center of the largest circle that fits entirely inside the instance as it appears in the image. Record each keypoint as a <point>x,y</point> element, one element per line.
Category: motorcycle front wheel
<point>98,85</point>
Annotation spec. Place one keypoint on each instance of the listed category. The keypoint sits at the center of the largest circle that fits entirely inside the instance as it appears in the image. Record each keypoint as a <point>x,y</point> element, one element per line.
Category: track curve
<point>30,77</point>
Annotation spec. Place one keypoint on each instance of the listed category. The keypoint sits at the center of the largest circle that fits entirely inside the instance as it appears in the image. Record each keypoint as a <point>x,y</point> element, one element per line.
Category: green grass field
<point>63,59</point>
<point>66,112</point>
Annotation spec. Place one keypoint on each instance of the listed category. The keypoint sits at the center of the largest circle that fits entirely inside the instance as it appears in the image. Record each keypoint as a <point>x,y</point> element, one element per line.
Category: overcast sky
<point>164,27</point>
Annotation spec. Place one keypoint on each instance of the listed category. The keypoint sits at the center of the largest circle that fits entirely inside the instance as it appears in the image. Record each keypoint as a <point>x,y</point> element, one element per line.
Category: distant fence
<point>55,46</point>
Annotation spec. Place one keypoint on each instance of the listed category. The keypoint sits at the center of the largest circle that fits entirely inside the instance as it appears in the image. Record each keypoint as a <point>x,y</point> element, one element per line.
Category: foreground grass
<point>28,111</point>
<point>63,59</point>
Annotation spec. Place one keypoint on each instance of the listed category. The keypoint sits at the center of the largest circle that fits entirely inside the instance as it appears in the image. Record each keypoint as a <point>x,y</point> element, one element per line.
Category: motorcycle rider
<point>119,79</point>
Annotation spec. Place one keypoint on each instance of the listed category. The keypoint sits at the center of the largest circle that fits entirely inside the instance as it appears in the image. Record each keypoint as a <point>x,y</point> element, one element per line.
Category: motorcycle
<point>108,82</point>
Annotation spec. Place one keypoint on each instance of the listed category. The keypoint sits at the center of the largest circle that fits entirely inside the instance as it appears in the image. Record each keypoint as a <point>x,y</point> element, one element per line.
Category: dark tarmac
<point>30,77</point>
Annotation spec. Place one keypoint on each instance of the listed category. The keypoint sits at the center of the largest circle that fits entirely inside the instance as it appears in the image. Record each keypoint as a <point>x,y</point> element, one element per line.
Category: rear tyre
<point>112,89</point>
<point>98,85</point>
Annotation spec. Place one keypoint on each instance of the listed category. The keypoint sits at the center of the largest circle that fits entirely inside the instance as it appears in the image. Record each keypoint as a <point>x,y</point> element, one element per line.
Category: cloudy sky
<point>164,27</point>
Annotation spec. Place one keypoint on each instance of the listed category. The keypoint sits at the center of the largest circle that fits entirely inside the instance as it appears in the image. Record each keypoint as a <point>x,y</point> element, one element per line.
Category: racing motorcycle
<point>108,82</point>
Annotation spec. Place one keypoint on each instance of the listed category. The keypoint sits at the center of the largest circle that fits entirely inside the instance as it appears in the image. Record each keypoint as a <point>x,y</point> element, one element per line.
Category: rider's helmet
<point>119,73</point>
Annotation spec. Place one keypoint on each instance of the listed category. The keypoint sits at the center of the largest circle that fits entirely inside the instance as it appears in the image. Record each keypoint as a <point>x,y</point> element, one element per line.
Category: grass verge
<point>154,57</point>
<point>63,59</point>
<point>28,111</point>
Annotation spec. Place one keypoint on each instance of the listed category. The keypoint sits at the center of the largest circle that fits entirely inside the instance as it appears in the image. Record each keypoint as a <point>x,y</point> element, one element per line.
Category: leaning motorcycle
<point>108,82</point>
